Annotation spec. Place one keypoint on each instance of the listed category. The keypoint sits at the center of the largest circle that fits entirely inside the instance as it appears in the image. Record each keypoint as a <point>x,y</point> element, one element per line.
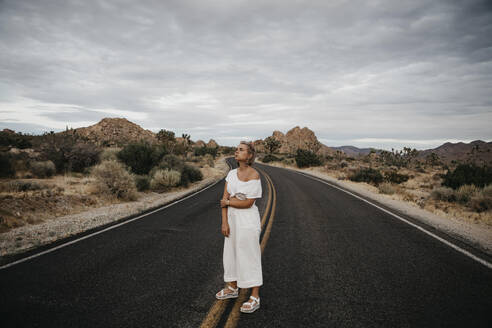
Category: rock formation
<point>300,138</point>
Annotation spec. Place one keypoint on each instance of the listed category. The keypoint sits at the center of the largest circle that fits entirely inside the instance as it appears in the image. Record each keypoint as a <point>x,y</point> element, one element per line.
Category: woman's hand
<point>223,203</point>
<point>225,229</point>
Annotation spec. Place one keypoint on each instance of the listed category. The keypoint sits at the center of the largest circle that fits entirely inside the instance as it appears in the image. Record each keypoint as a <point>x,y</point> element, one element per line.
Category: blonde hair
<point>251,150</point>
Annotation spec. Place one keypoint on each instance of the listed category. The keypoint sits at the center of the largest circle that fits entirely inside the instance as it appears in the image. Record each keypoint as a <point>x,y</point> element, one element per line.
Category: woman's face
<point>241,153</point>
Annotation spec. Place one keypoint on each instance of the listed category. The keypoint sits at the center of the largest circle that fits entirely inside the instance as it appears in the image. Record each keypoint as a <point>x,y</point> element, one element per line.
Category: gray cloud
<point>352,71</point>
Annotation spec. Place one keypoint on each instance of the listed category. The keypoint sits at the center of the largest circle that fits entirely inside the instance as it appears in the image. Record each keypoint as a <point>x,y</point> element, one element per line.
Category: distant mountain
<point>354,151</point>
<point>478,151</point>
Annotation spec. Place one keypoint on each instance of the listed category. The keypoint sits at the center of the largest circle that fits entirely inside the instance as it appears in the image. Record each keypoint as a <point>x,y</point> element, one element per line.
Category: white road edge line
<point>455,247</point>
<point>104,230</point>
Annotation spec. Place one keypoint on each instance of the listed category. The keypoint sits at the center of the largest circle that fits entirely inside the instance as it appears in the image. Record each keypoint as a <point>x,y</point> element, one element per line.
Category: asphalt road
<point>331,260</point>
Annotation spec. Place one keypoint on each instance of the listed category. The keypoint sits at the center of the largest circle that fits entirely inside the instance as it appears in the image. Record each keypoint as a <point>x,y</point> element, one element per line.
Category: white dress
<point>242,253</point>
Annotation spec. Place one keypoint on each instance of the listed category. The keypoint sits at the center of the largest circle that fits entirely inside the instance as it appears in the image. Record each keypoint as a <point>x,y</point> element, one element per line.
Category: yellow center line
<point>215,313</point>
<point>233,318</point>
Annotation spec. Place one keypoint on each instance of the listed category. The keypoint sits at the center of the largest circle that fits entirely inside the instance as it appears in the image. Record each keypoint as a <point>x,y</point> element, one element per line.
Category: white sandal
<point>253,305</point>
<point>222,296</point>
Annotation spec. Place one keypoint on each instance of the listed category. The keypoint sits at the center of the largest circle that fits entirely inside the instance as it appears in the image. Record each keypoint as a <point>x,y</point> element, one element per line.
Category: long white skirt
<point>242,253</point>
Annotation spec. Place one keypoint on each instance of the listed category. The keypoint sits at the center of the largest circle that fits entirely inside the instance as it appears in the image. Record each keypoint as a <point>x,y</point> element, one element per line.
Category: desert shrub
<point>13,139</point>
<point>306,158</point>
<point>386,188</point>
<point>190,174</point>
<point>171,162</point>
<point>482,201</point>
<point>443,193</point>
<point>270,158</point>
<point>81,156</point>
<point>343,164</point>
<point>487,190</point>
<point>163,179</point>
<point>201,151</point>
<point>109,154</point>
<point>42,169</point>
<point>19,185</point>
<point>368,175</point>
<point>289,161</point>
<point>395,177</point>
<point>464,193</point>
<point>68,151</point>
<point>6,168</point>
<point>463,174</point>
<point>209,160</point>
<point>112,178</point>
<point>142,182</point>
<point>141,157</point>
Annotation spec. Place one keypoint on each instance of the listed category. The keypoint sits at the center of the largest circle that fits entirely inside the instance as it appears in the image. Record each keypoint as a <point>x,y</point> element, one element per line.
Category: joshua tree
<point>272,144</point>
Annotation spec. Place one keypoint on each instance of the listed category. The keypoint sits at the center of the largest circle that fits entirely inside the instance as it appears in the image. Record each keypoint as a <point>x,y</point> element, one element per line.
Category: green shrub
<point>463,174</point>
<point>306,158</point>
<point>270,158</point>
<point>42,169</point>
<point>289,161</point>
<point>386,188</point>
<point>112,178</point>
<point>164,179</point>
<point>443,193</point>
<point>6,168</point>
<point>190,174</point>
<point>141,157</point>
<point>81,156</point>
<point>142,182</point>
<point>368,175</point>
<point>395,177</point>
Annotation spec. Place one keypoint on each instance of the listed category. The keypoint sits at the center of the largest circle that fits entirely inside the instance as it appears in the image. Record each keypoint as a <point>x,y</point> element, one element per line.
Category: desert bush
<point>190,174</point>
<point>306,158</point>
<point>270,158</point>
<point>164,179</point>
<point>395,177</point>
<point>201,151</point>
<point>108,154</point>
<point>6,168</point>
<point>13,139</point>
<point>289,161</point>
<point>141,157</point>
<point>171,162</point>
<point>482,200</point>
<point>42,169</point>
<point>209,160</point>
<point>113,178</point>
<point>443,193</point>
<point>343,164</point>
<point>464,174</point>
<point>464,193</point>
<point>68,151</point>
<point>142,182</point>
<point>386,188</point>
<point>368,175</point>
<point>19,185</point>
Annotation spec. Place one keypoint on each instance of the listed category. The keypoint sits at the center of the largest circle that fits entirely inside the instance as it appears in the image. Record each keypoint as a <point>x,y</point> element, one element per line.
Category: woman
<point>241,226</point>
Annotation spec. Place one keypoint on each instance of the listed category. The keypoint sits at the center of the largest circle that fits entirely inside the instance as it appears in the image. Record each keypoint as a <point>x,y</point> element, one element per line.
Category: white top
<point>251,188</point>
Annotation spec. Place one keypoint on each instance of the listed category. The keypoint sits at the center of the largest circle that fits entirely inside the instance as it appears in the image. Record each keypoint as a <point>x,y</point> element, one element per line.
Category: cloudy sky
<point>363,73</point>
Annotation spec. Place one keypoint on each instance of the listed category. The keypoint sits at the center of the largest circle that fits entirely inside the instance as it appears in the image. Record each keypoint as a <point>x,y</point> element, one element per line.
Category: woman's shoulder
<point>254,175</point>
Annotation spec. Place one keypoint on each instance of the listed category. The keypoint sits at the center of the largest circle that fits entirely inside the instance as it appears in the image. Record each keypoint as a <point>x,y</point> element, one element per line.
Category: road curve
<point>331,260</point>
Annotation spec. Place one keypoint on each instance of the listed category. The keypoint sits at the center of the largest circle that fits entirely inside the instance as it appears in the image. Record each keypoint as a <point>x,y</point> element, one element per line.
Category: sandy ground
<point>30,236</point>
<point>476,234</point>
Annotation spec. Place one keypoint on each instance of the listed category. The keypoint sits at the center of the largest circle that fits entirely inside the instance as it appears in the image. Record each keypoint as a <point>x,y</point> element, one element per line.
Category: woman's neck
<point>242,166</point>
